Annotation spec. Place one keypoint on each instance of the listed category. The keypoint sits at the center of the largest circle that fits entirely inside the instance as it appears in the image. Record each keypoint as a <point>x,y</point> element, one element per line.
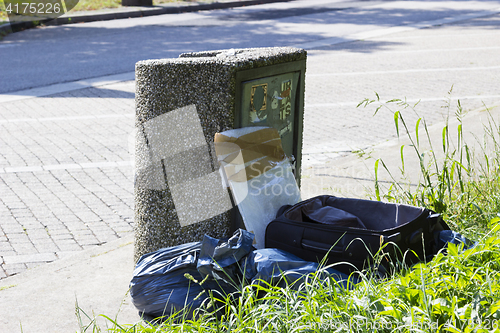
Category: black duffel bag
<point>350,232</point>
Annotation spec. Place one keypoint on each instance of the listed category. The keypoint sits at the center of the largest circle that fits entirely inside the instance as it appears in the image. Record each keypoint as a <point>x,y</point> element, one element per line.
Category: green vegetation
<point>7,287</point>
<point>456,292</point>
<point>456,181</point>
<point>3,14</point>
<point>87,5</point>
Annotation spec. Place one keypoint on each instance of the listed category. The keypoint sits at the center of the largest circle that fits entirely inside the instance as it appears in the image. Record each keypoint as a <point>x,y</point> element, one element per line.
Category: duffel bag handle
<point>282,210</point>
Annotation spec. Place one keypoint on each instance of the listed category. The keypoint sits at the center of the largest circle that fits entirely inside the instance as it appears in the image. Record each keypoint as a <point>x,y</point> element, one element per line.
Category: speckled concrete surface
<point>206,80</point>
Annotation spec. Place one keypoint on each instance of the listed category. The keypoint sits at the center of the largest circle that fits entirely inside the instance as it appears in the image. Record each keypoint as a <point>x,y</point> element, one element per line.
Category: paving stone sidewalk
<point>65,174</point>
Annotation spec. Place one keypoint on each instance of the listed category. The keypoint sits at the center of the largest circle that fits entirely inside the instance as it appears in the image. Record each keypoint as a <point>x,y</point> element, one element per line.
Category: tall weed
<point>456,181</point>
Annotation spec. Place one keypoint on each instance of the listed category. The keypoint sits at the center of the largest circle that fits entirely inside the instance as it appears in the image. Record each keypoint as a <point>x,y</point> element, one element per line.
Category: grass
<point>8,287</point>
<point>88,5</point>
<point>455,292</point>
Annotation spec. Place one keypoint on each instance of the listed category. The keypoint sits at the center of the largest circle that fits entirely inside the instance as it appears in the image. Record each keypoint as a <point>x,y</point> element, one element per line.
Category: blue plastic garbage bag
<point>159,287</point>
<point>449,236</point>
<point>280,268</point>
<point>233,261</point>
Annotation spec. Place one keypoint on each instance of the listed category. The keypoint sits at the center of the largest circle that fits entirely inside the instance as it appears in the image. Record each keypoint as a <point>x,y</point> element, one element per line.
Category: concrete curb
<point>113,14</point>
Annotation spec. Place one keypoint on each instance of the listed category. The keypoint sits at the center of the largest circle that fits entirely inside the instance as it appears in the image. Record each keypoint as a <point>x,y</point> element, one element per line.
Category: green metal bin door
<point>270,101</point>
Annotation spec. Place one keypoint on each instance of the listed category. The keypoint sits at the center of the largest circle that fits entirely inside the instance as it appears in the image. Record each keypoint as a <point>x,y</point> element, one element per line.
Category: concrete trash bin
<point>180,104</point>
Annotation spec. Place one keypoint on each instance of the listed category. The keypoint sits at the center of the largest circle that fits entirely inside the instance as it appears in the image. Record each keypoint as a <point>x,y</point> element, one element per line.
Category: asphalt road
<point>55,54</point>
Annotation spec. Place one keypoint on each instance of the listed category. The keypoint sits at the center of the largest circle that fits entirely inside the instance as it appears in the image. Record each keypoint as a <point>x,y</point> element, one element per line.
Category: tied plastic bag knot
<point>219,257</point>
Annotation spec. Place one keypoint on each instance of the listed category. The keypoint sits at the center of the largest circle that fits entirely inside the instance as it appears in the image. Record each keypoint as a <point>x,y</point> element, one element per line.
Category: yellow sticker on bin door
<point>258,103</point>
<point>258,97</point>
